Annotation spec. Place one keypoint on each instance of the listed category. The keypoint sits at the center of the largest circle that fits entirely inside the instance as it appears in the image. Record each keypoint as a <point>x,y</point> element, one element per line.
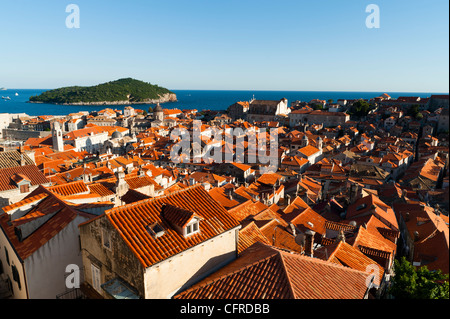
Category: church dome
<point>116,134</point>
<point>158,108</point>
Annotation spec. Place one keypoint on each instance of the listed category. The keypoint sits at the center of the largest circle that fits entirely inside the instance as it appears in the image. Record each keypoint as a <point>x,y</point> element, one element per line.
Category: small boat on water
<point>2,89</point>
<point>6,98</point>
<point>17,94</point>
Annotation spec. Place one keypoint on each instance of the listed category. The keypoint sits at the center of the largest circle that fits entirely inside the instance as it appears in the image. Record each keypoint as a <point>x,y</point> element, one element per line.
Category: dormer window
<point>186,222</point>
<point>25,188</point>
<point>22,182</point>
<point>192,227</point>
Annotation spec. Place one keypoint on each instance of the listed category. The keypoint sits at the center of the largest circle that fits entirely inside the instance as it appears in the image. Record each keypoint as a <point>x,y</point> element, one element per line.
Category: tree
<point>410,282</point>
<point>150,109</point>
<point>413,111</point>
<point>317,106</point>
<point>360,108</point>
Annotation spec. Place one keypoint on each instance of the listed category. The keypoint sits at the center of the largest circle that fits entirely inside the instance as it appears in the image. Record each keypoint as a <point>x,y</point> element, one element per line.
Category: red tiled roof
<point>100,189</point>
<point>269,178</point>
<point>29,172</point>
<point>264,272</point>
<point>349,256</point>
<point>367,239</point>
<point>78,187</point>
<point>311,220</point>
<point>218,193</point>
<point>64,214</point>
<point>279,237</point>
<point>433,234</point>
<point>371,204</point>
<point>295,207</point>
<point>131,222</point>
<point>84,132</point>
<point>308,150</point>
<point>175,187</point>
<point>25,201</point>
<point>247,209</point>
<point>249,235</point>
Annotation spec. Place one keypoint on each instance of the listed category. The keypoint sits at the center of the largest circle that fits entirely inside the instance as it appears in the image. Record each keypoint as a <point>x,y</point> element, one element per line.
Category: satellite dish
<point>300,239</point>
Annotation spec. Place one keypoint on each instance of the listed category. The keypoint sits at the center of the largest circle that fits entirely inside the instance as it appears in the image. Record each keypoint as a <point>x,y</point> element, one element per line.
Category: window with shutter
<point>95,278</point>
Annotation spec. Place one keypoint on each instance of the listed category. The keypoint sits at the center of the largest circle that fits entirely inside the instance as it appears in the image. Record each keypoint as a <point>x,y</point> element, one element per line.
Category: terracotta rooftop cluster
<point>328,222</point>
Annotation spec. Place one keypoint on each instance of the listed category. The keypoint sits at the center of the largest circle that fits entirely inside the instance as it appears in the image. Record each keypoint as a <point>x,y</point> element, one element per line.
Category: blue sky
<point>296,45</point>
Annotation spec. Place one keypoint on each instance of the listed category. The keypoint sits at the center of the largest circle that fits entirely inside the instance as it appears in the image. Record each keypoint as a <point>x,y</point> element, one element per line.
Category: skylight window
<point>156,230</point>
<point>362,206</point>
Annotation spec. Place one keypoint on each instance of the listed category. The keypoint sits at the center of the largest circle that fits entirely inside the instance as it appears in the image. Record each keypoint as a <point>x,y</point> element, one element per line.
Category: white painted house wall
<point>165,279</point>
<point>46,268</point>
<point>90,143</point>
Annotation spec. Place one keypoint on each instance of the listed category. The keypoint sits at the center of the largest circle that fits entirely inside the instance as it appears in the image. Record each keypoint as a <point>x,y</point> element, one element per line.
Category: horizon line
<point>272,90</point>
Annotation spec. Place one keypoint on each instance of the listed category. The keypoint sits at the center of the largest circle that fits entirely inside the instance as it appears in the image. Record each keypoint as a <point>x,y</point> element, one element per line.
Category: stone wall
<point>23,135</point>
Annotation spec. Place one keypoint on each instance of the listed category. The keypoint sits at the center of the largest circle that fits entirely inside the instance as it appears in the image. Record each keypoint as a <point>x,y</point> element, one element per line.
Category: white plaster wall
<point>164,279</point>
<point>14,260</point>
<point>46,268</point>
<point>13,196</point>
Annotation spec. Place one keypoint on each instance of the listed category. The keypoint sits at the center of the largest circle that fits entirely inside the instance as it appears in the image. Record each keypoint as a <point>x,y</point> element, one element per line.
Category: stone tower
<point>319,143</point>
<point>57,138</point>
<point>305,141</point>
<point>158,113</point>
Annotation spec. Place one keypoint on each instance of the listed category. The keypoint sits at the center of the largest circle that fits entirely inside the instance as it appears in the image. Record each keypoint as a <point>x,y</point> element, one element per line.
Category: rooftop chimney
<point>309,242</point>
<point>294,233</point>
<point>407,217</point>
<point>340,237</point>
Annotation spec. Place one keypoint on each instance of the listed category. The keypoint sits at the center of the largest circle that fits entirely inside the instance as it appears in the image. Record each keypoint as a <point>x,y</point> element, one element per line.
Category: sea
<point>187,100</point>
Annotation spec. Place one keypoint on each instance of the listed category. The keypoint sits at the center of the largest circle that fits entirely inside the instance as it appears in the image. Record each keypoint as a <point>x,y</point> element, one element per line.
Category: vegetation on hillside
<point>121,90</point>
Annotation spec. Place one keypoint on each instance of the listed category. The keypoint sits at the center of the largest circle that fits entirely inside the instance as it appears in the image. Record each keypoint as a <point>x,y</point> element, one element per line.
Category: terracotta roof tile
<point>249,235</point>
<point>269,178</point>
<point>62,213</point>
<point>349,256</point>
<point>308,150</point>
<point>100,189</point>
<point>24,202</point>
<point>247,209</point>
<point>29,172</point>
<point>218,193</point>
<point>131,221</point>
<point>264,272</point>
<point>12,159</point>
<point>73,188</point>
<point>311,220</point>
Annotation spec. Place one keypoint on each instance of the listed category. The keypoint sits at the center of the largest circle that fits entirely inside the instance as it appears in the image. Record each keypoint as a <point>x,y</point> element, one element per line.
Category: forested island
<point>119,92</point>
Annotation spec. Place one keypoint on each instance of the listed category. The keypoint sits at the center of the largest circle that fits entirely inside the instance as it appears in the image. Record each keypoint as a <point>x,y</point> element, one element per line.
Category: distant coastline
<point>125,91</point>
<point>166,98</point>
<point>187,99</point>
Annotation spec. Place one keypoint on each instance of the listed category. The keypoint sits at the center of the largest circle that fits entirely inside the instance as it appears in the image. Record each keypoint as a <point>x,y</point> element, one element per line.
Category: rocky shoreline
<point>168,97</point>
